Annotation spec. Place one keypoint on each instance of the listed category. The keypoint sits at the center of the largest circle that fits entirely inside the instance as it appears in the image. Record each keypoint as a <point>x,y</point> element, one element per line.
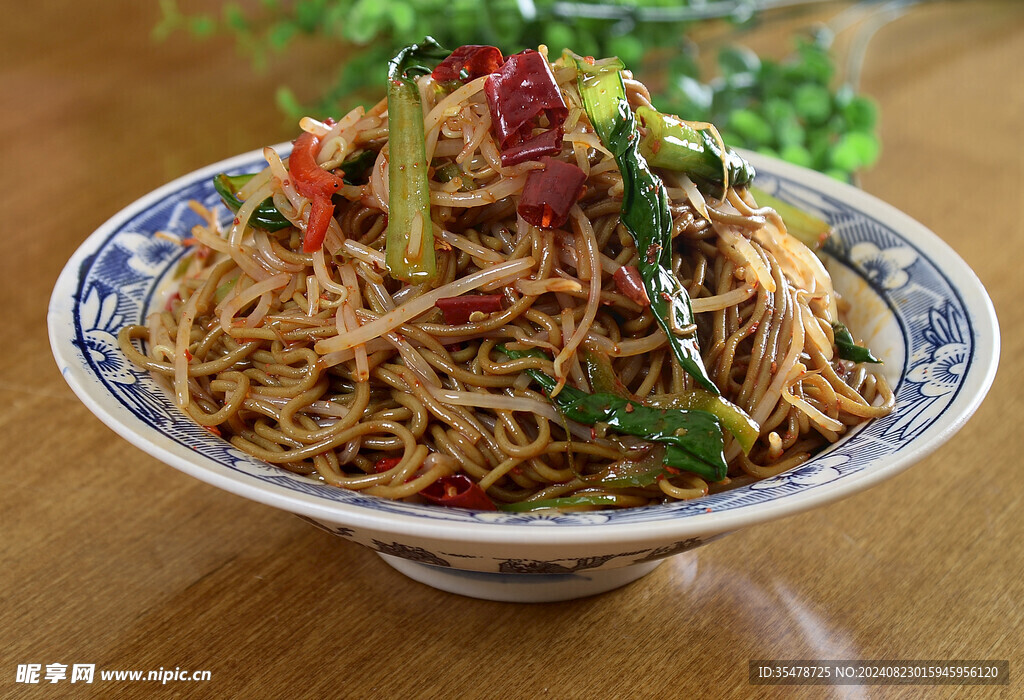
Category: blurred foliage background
<point>798,106</point>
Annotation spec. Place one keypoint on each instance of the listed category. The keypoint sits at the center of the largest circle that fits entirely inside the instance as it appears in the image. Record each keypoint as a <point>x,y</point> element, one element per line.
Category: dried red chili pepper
<point>457,310</point>
<point>522,90</point>
<point>458,491</point>
<point>468,63</point>
<point>549,194</point>
<point>628,282</point>
<point>386,464</point>
<point>546,143</point>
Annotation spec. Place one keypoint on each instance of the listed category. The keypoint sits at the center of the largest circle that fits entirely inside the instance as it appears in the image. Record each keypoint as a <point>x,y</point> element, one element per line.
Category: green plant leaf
<point>812,102</point>
<point>559,36</point>
<point>287,102</point>
<point>797,154</point>
<point>861,113</point>
<point>785,124</point>
<point>280,35</point>
<point>403,18</point>
<point>735,60</point>
<point>751,127</point>
<point>234,17</point>
<point>693,98</point>
<point>684,62</point>
<point>855,150</point>
<point>628,47</point>
<point>813,62</point>
<point>170,20</point>
<point>309,14</point>
<point>202,26</point>
<point>366,21</point>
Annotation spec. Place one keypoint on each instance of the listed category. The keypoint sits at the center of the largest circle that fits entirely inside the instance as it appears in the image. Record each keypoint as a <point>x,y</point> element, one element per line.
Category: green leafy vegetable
<point>357,168</point>
<point>592,499</point>
<point>601,374</point>
<point>409,253</point>
<point>645,212</point>
<point>671,143</point>
<point>265,216</point>
<point>733,418</point>
<point>633,473</point>
<point>848,350</point>
<point>693,440</point>
<point>450,171</point>
<point>808,229</point>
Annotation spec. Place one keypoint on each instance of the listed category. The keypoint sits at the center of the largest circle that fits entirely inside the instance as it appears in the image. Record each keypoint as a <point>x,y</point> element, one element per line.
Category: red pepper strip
<point>320,215</point>
<point>546,143</point>
<point>549,194</point>
<point>468,62</point>
<point>628,281</point>
<point>310,179</point>
<point>458,491</point>
<point>518,93</point>
<point>316,184</point>
<point>386,463</point>
<point>457,310</point>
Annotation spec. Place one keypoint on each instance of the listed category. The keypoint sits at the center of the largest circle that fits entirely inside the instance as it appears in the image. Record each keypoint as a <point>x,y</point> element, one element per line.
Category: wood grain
<point>112,558</point>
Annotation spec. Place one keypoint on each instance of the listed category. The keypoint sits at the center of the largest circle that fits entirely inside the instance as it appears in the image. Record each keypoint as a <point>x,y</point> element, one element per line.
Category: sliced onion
<point>694,195</point>
<point>752,260</point>
<point>800,265</point>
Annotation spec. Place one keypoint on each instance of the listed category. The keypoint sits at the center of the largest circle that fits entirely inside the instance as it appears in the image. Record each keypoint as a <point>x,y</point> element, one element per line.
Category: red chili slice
<point>309,178</point>
<point>458,491</point>
<point>628,281</point>
<point>549,194</point>
<point>320,215</point>
<point>468,63</point>
<point>316,184</point>
<point>518,93</point>
<point>386,463</point>
<point>546,143</point>
<point>457,310</point>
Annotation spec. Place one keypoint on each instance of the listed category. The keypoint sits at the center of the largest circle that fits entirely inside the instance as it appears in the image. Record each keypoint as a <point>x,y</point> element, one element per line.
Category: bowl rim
<point>979,377</point>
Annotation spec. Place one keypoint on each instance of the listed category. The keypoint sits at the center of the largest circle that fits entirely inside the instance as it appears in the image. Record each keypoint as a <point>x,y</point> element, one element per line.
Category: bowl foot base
<point>520,588</point>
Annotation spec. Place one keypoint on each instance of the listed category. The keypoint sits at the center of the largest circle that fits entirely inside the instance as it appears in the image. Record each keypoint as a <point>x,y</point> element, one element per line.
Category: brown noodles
<point>256,342</point>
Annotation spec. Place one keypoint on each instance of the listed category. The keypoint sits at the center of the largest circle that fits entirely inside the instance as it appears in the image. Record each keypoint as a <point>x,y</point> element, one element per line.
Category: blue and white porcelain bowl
<point>914,301</point>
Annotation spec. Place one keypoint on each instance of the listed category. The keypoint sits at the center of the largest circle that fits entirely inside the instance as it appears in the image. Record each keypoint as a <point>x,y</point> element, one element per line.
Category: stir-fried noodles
<point>525,363</point>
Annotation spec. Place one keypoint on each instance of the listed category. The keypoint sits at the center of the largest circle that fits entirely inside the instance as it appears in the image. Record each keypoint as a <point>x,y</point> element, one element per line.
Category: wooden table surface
<point>114,559</point>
